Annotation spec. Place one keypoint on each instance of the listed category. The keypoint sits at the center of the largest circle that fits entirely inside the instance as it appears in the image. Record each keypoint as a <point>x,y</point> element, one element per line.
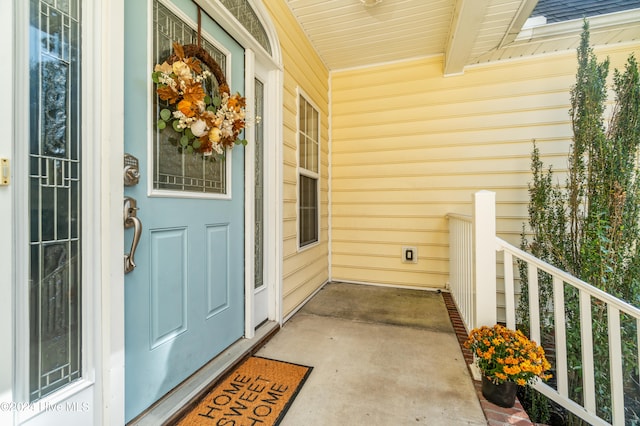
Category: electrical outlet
<point>409,254</point>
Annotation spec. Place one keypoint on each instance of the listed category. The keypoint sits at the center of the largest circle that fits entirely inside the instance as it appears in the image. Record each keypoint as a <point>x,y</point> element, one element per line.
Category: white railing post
<point>484,265</point>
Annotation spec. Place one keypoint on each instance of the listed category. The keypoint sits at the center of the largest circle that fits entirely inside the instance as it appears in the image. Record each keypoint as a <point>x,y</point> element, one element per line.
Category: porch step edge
<point>169,408</point>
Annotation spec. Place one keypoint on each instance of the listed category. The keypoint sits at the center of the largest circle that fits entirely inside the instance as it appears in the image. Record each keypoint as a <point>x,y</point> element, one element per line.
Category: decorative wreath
<point>205,114</point>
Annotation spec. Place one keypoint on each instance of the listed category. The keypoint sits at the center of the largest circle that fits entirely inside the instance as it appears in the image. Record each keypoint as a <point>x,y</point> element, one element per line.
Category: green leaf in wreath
<point>211,108</point>
<point>165,114</point>
<point>216,101</point>
<point>175,126</point>
<point>189,150</point>
<point>155,77</point>
<point>189,133</point>
<point>207,99</point>
<point>196,144</point>
<point>242,142</point>
<point>184,140</point>
<point>162,124</point>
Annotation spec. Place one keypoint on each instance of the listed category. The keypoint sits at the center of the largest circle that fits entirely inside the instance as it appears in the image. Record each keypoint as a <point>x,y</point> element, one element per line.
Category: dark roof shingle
<point>564,10</point>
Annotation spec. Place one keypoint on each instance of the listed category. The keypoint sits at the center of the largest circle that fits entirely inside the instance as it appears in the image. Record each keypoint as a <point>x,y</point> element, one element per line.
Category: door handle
<point>131,220</point>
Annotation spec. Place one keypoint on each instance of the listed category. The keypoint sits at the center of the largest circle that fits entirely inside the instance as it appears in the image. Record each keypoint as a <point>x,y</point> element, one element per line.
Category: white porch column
<point>484,265</point>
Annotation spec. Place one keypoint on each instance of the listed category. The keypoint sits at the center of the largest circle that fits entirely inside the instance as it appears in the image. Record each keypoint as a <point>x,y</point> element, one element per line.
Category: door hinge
<point>5,172</point>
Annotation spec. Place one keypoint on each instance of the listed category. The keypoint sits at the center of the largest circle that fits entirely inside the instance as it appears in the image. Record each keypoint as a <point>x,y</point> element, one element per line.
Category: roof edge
<point>575,25</point>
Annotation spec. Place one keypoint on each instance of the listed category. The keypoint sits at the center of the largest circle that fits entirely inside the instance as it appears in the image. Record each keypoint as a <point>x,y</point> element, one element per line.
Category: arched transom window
<point>245,14</point>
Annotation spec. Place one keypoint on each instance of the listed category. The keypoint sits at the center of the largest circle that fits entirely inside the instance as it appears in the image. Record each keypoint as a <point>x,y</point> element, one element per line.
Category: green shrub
<point>590,226</point>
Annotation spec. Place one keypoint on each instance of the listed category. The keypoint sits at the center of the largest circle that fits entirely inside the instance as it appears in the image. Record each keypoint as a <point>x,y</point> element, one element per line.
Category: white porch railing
<point>472,266</point>
<point>472,281</point>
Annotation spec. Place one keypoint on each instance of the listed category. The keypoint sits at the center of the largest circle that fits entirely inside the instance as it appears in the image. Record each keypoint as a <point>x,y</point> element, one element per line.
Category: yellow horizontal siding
<point>388,263</point>
<point>405,237</point>
<point>391,222</point>
<point>306,270</point>
<point>453,137</point>
<point>424,277</point>
<point>424,195</point>
<point>390,250</point>
<point>410,145</point>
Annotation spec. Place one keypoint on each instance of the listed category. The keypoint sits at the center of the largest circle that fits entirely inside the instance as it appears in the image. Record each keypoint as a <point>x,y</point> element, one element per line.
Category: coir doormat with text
<point>258,392</point>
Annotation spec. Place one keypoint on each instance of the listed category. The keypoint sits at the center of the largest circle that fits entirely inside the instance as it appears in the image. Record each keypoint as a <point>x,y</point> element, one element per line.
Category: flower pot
<point>503,395</point>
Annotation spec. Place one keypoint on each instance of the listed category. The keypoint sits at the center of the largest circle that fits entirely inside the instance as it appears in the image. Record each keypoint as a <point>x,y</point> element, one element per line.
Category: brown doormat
<point>258,392</point>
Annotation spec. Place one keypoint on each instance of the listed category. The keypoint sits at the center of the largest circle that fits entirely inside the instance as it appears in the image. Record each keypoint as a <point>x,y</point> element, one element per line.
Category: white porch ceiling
<point>347,34</point>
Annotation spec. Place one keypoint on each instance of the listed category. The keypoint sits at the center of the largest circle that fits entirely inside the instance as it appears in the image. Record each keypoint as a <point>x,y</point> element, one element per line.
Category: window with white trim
<point>308,172</point>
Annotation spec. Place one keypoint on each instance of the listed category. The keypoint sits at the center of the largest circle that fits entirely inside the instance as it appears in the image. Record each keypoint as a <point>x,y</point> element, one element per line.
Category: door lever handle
<point>131,220</point>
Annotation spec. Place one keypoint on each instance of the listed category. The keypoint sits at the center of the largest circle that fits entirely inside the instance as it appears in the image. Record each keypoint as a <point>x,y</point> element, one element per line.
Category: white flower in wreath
<point>227,129</point>
<point>182,70</point>
<point>217,148</point>
<point>199,128</point>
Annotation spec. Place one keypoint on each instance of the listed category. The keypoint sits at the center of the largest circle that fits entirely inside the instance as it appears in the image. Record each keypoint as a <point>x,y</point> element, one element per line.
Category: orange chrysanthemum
<point>507,355</point>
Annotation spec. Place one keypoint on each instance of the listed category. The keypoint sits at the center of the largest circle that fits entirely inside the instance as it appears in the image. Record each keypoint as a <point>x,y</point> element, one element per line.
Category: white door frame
<point>269,69</point>
<point>103,314</point>
<point>112,229</point>
<point>272,214</point>
<point>7,34</point>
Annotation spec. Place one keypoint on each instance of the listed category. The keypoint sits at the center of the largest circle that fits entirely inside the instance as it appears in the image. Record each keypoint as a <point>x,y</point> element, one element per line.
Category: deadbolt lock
<point>131,170</point>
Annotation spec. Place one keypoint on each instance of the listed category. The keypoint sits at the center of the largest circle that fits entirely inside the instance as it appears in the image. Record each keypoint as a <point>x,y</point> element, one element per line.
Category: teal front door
<point>184,301</point>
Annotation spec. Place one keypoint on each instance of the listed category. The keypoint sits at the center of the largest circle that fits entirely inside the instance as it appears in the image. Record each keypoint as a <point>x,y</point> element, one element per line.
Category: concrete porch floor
<point>381,356</point>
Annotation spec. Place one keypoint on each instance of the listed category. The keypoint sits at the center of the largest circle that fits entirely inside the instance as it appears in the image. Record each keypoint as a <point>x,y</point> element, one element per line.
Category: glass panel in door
<point>260,286</point>
<point>190,172</point>
<point>259,186</point>
<point>55,178</point>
